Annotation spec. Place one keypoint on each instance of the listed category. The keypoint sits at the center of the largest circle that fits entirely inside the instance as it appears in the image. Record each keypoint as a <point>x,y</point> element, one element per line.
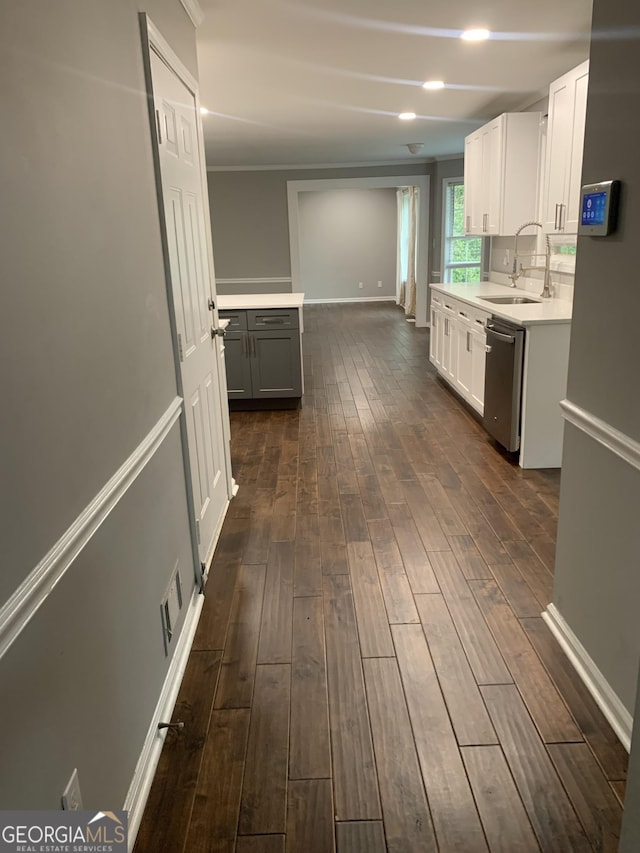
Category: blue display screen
<point>594,206</point>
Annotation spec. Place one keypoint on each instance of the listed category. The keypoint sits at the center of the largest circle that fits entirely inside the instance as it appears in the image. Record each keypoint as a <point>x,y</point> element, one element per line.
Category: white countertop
<point>544,312</point>
<point>241,301</point>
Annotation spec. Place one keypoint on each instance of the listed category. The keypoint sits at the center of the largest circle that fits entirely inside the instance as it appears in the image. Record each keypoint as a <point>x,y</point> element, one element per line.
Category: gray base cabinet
<point>262,354</point>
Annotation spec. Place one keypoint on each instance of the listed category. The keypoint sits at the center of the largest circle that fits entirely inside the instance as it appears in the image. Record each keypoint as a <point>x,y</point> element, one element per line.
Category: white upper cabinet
<point>501,169</point>
<point>563,160</point>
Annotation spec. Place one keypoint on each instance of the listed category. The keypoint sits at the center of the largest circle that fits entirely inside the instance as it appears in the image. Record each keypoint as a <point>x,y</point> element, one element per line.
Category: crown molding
<point>299,167</point>
<point>194,11</point>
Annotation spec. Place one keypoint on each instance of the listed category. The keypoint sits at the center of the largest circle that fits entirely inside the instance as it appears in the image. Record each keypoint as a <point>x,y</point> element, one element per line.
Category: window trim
<point>446,182</point>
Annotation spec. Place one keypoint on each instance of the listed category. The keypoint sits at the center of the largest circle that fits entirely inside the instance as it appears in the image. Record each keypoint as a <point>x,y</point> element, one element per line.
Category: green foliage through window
<point>462,255</point>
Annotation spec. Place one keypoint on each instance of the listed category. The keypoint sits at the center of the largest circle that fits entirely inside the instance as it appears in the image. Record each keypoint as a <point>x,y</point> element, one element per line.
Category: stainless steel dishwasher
<point>503,382</point>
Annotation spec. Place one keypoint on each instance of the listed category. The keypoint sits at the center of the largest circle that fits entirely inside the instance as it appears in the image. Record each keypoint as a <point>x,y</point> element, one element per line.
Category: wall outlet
<point>360,285</point>
<point>71,797</point>
<point>379,284</point>
<point>170,608</point>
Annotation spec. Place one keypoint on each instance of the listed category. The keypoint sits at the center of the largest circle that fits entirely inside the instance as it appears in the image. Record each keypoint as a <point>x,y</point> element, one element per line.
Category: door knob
<point>219,332</point>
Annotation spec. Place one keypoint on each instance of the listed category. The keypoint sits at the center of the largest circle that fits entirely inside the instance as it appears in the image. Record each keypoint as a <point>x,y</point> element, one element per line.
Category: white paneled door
<point>193,291</point>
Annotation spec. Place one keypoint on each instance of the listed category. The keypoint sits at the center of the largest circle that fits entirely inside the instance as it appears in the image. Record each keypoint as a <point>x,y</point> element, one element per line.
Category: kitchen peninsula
<point>263,347</point>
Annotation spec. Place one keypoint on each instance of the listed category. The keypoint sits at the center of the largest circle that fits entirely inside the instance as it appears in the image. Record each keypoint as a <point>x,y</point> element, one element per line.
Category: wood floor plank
<point>424,517</point>
<point>260,844</point>
<point>275,630</point>
<point>360,837</point>
<point>310,817</point>
<point>533,570</point>
<point>505,821</point>
<point>354,773</point>
<point>412,550</point>
<point>469,558</point>
<point>545,705</point>
<point>398,598</point>
<point>468,714</point>
<point>353,517</point>
<point>594,801</point>
<point>551,814</point>
<point>602,739</point>
<point>385,547</point>
<point>373,503</point>
<point>237,672</point>
<point>373,625</point>
<point>516,590</point>
<point>407,821</point>
<point>216,611</point>
<point>214,819</point>
<point>264,789</point>
<point>174,785</point>
<point>308,568</point>
<point>481,649</point>
<point>455,818</point>
<point>310,751</point>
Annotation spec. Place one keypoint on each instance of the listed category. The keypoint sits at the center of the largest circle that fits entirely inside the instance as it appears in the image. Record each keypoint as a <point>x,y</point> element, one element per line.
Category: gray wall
<point>88,371</point>
<point>443,169</point>
<point>597,583</point>
<point>346,237</point>
<point>250,219</point>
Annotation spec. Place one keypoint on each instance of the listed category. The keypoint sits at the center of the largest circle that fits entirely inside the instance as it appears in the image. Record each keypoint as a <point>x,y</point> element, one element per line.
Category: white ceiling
<point>292,82</point>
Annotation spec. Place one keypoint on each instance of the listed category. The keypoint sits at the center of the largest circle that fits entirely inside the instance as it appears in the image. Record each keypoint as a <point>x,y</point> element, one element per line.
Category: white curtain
<point>410,289</point>
<point>407,233</point>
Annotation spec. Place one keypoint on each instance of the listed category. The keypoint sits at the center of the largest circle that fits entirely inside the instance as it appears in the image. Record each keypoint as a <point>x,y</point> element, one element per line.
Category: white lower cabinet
<point>457,347</point>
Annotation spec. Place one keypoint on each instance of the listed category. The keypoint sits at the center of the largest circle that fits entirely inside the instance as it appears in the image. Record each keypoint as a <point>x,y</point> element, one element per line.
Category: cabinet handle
<point>446,326</point>
<point>272,321</point>
<point>245,344</point>
<point>556,225</point>
<point>468,223</point>
<point>484,222</point>
<point>253,345</point>
<point>563,214</point>
<point>468,341</point>
<point>462,314</point>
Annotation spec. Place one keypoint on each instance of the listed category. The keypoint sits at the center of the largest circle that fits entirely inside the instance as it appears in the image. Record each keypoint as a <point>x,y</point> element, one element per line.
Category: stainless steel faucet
<point>518,270</point>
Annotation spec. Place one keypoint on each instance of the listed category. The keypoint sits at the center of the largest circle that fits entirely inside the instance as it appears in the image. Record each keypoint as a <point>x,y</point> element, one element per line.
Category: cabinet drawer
<point>272,318</point>
<point>237,320</point>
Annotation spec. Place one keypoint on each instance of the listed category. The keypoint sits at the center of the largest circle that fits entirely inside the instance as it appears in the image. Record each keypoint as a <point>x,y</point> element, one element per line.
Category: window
<point>462,256</point>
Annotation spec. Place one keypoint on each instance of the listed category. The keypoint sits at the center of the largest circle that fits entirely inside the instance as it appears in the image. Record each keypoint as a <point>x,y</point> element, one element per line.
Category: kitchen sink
<point>508,300</point>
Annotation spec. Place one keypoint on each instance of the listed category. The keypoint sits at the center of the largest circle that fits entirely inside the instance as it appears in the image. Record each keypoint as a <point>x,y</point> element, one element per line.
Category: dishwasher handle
<point>502,337</point>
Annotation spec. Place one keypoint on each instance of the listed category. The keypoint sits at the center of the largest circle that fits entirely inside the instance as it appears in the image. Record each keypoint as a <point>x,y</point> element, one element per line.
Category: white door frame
<point>153,40</point>
<point>294,188</point>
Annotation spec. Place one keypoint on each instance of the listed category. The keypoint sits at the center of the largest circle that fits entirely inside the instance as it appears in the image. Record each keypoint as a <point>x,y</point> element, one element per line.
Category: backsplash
<point>562,266</point>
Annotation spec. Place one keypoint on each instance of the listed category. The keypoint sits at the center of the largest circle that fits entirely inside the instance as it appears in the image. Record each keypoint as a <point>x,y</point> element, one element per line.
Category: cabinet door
<point>434,332</point>
<point>559,133</point>
<point>450,348</point>
<point>493,156</point>
<point>571,214</point>
<point>478,363</point>
<point>473,184</point>
<point>236,356</point>
<point>275,364</point>
<point>463,347</point>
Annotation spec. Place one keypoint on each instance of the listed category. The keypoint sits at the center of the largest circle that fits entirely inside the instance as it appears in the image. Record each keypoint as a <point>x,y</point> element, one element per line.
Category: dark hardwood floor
<point>371,671</point>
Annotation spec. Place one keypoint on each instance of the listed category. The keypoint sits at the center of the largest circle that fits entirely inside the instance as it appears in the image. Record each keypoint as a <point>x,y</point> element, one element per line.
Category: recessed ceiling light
<point>204,111</point>
<point>407,116</point>
<point>433,84</point>
<point>476,34</point>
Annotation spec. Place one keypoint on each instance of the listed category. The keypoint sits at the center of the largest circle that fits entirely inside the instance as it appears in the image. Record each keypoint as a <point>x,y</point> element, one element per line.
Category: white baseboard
<point>138,792</point>
<point>350,299</point>
<point>607,700</point>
